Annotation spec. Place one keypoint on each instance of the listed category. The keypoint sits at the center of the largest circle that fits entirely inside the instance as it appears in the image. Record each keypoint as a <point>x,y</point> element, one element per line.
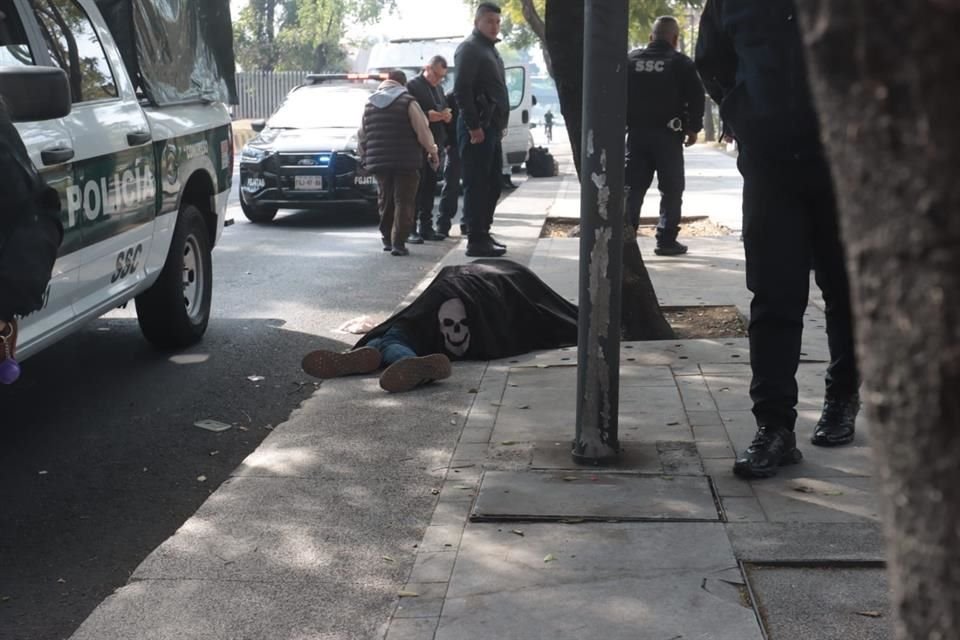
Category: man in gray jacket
<point>393,138</point>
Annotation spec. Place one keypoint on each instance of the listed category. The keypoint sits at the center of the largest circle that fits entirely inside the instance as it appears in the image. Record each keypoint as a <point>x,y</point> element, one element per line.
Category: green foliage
<point>299,34</point>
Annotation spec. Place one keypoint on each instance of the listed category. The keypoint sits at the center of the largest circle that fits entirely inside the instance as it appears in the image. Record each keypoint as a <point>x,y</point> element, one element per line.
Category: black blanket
<point>484,310</point>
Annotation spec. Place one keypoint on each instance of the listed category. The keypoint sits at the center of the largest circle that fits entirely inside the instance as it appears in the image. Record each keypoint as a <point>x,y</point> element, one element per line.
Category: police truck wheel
<point>258,214</point>
<point>174,312</point>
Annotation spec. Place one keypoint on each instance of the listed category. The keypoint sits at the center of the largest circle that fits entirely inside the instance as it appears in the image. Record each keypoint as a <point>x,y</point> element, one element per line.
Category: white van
<point>412,54</point>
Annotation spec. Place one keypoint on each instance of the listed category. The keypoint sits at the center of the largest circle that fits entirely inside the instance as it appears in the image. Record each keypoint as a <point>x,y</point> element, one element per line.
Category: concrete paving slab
<point>807,542</point>
<point>294,529</point>
<point>203,609</point>
<point>826,604</point>
<point>612,581</point>
<point>427,603</point>
<point>558,423</point>
<point>534,495</point>
<point>661,457</point>
<point>565,376</point>
<point>844,499</point>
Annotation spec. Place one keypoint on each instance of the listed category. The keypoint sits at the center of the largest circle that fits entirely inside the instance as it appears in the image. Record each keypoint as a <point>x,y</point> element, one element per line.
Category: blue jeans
<point>393,346</point>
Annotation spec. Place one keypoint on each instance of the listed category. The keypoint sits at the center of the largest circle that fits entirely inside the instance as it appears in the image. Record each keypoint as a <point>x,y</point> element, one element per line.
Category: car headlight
<point>253,154</point>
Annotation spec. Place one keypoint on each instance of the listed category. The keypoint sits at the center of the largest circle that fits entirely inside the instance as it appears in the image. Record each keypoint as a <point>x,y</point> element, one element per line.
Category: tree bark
<point>889,124</point>
<point>641,317</point>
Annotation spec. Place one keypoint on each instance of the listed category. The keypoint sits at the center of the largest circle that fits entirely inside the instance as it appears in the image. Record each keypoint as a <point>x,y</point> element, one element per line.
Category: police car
<point>306,153</point>
<point>143,167</point>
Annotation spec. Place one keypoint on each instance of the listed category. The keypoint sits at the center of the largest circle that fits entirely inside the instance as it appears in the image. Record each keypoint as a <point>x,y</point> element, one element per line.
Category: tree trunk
<point>892,135</point>
<point>709,126</point>
<point>641,318</point>
<point>536,24</point>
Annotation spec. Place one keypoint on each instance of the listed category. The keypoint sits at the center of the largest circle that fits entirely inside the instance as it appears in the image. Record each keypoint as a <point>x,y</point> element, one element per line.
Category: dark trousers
<point>450,196</point>
<point>660,151</point>
<point>789,227</point>
<point>397,202</point>
<point>482,165</point>
<point>425,192</point>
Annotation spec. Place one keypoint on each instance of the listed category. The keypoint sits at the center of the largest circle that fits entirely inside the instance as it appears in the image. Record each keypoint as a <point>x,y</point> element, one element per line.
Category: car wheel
<point>258,214</point>
<point>174,312</point>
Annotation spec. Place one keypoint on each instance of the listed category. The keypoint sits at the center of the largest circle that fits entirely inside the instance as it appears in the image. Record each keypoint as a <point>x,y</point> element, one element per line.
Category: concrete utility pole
<point>601,230</point>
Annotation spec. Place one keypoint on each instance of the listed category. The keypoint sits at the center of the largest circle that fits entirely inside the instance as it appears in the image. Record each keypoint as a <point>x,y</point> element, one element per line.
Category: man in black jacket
<point>425,89</point>
<point>664,112</point>
<point>481,92</point>
<point>750,56</point>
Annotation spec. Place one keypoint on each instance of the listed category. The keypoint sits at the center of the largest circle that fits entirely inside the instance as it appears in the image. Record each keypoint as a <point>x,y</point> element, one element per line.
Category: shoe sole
<point>331,364</point>
<point>411,373</point>
<point>826,442</point>
<point>746,472</point>
<point>669,253</point>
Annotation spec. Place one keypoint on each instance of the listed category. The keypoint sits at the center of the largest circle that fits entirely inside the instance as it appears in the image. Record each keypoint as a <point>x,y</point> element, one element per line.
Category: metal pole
<point>601,230</point>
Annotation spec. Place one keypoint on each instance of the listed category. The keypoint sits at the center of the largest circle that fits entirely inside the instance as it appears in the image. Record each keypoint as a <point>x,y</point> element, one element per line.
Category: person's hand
<point>726,138</point>
<point>434,159</point>
<point>436,116</point>
<point>691,139</point>
<point>477,136</point>
<point>447,115</point>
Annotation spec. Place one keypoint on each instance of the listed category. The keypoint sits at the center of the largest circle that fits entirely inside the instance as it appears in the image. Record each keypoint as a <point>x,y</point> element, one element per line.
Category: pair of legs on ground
<point>397,204</point>
<point>657,151</point>
<point>790,226</point>
<point>404,369</point>
<point>482,166</point>
<point>429,177</point>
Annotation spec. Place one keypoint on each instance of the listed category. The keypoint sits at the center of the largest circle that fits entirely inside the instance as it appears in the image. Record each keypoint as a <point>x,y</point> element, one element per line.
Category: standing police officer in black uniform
<point>750,56</point>
<point>664,112</point>
<point>481,92</point>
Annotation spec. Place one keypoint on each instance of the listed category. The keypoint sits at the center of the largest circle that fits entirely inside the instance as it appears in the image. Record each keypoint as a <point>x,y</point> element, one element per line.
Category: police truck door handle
<point>56,155</point>
<point>137,138</point>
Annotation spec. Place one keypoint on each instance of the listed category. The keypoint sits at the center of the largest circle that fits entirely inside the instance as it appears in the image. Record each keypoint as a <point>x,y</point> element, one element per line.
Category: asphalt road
<point>99,458</point>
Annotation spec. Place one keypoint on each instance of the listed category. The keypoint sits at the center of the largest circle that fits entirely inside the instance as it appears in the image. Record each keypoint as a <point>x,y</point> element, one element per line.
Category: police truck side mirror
<point>258,125</point>
<point>35,93</point>
<point>533,101</point>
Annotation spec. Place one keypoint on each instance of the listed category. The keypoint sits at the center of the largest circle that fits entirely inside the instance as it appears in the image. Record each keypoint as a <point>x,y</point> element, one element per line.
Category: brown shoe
<point>410,373</point>
<point>332,364</point>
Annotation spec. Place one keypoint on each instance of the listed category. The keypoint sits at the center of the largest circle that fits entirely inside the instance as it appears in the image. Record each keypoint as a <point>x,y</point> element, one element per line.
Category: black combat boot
<point>836,425</point>
<point>772,448</point>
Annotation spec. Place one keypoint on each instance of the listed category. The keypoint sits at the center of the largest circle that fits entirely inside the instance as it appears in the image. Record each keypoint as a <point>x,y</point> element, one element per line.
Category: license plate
<point>308,183</point>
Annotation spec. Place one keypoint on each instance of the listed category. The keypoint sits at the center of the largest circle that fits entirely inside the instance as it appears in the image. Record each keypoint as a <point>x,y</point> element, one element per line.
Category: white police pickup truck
<point>143,161</point>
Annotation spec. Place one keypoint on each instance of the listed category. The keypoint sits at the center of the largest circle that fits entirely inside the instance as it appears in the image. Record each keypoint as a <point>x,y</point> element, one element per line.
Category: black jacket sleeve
<point>716,58</point>
<point>467,64</point>
<point>693,97</point>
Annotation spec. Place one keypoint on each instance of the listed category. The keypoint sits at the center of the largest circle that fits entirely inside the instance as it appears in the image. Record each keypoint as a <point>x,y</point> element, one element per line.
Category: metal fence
<point>261,92</point>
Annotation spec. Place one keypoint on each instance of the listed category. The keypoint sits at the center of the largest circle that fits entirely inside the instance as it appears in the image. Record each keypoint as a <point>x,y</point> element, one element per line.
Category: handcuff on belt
<point>675,125</point>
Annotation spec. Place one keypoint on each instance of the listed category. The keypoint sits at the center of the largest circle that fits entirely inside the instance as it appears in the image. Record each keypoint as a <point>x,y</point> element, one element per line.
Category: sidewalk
<point>510,539</point>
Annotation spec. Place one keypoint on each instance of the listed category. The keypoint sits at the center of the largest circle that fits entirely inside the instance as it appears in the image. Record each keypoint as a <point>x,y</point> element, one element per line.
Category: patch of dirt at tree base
<point>696,228</point>
<point>698,322</point>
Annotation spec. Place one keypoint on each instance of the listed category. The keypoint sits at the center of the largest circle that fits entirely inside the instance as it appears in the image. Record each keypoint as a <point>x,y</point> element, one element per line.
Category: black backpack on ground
<point>541,164</point>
